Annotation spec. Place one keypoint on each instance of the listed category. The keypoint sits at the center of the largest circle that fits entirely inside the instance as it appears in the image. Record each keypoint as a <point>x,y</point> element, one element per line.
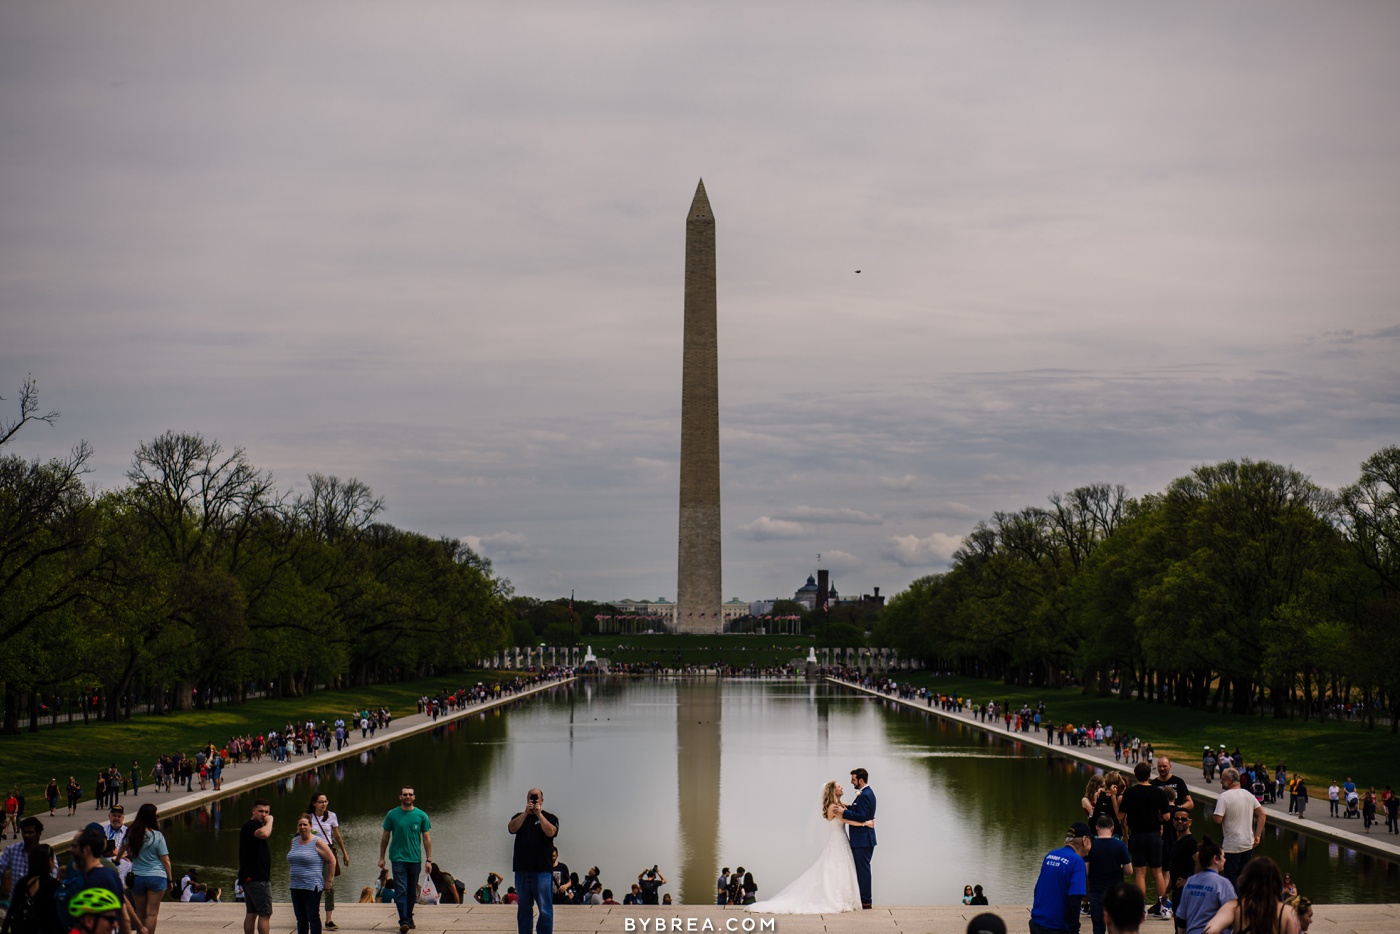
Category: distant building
<point>875,601</point>
<point>810,593</point>
<point>658,607</point>
<point>637,616</point>
<point>735,609</point>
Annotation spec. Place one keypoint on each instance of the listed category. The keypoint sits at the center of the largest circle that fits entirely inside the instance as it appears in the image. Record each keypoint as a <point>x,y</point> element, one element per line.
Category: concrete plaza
<point>178,918</point>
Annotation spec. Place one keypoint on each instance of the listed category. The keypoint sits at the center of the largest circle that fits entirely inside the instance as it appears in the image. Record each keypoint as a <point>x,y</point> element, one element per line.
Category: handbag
<point>427,891</point>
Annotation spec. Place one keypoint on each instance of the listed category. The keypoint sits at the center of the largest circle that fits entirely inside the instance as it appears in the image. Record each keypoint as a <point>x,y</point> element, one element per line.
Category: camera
<point>534,799</point>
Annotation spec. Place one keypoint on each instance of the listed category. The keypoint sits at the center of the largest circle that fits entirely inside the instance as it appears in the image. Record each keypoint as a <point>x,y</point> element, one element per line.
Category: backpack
<point>71,885</point>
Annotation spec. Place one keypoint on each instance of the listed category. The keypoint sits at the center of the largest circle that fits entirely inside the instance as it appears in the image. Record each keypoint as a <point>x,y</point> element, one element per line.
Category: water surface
<point>695,775</point>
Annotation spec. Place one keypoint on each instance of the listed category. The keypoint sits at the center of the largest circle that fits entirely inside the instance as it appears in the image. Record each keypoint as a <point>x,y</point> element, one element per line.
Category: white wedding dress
<point>827,887</point>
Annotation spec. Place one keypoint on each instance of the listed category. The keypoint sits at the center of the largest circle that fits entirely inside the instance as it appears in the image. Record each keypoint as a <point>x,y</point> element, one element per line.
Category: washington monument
<point>698,592</point>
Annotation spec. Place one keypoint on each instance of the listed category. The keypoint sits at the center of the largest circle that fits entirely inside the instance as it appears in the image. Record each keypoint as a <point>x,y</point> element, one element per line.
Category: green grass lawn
<point>29,760</point>
<point>739,651</point>
<point>1322,752</point>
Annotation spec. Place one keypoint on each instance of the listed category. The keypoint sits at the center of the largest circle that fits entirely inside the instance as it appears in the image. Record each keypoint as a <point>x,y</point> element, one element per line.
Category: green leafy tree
<point>45,530</point>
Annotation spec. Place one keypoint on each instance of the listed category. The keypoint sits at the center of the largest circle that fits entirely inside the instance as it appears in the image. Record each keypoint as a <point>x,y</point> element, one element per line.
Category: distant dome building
<point>807,593</point>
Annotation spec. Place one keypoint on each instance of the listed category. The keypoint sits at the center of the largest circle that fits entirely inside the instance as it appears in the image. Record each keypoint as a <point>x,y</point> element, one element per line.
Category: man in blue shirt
<point>86,851</point>
<point>1108,861</point>
<point>1062,884</point>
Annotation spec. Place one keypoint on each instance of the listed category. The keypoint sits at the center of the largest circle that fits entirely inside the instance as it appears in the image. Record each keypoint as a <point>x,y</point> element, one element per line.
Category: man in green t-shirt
<point>410,848</point>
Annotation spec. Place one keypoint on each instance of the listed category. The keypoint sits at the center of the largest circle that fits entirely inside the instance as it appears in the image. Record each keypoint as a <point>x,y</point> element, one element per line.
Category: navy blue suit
<point>862,839</point>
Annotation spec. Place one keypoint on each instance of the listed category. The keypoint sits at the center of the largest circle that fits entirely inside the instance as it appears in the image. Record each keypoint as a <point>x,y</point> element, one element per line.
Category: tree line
<point>199,578</point>
<point>1243,586</point>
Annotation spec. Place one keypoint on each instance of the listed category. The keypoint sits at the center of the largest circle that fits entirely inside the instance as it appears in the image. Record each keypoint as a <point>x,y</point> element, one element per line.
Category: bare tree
<point>334,508</point>
<point>28,411</point>
<point>1086,516</point>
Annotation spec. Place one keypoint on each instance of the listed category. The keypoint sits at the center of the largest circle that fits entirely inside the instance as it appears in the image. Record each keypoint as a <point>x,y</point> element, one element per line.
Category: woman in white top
<point>326,826</point>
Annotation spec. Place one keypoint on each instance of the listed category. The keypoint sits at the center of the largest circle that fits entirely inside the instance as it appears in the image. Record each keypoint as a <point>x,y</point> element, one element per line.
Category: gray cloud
<point>438,247</point>
<point>931,551</point>
<point>827,514</point>
<point>946,510</point>
<point>505,546</point>
<point>765,529</point>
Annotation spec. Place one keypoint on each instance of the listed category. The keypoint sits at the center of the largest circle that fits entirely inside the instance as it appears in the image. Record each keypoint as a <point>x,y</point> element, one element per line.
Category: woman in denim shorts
<point>150,865</point>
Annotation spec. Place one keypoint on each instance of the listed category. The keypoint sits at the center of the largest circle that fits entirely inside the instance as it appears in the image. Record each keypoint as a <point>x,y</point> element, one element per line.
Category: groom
<point>862,838</point>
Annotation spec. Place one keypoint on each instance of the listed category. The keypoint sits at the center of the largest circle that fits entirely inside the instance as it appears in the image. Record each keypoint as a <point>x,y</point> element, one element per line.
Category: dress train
<point>827,887</point>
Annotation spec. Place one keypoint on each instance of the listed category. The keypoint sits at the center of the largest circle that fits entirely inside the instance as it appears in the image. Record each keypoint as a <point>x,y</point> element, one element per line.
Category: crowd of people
<point>735,888</point>
<point>1133,856</point>
<point>205,767</point>
<point>118,874</point>
<point>1267,784</point>
<point>678,667</point>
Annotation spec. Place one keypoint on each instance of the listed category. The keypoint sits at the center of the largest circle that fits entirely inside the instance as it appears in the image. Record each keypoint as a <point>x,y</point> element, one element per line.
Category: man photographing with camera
<point>651,880</point>
<point>534,830</point>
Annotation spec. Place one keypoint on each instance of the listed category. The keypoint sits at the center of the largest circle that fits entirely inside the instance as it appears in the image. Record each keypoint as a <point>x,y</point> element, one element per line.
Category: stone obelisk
<point>698,591</point>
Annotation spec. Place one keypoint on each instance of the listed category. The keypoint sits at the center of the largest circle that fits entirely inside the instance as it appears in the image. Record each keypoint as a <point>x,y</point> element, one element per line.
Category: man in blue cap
<point>1062,884</point>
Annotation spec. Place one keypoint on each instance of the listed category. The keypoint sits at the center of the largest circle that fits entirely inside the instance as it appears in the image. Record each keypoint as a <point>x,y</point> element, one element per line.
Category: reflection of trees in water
<point>443,765</point>
<point>1017,801</point>
<point>1021,806</point>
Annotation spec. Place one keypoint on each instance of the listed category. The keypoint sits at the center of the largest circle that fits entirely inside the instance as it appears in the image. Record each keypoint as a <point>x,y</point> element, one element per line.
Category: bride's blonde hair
<point>829,797</point>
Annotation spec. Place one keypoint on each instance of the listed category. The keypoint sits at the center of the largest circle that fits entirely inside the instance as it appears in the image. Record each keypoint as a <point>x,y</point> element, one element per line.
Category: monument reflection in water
<point>698,714</point>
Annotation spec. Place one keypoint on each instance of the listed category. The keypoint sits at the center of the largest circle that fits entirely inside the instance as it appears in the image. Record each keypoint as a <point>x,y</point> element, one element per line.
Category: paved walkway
<point>176,918</point>
<point>59,830</point>
<point>1317,824</point>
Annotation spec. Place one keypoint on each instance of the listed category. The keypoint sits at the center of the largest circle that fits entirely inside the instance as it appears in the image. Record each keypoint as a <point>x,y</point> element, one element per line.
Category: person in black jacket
<point>33,907</point>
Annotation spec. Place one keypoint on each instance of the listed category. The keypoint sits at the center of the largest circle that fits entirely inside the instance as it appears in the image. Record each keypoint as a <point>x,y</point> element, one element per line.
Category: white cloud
<point>828,514</point>
<point>765,529</point>
<point>504,546</point>
<point>899,484</point>
<point>930,551</point>
<point>841,562</point>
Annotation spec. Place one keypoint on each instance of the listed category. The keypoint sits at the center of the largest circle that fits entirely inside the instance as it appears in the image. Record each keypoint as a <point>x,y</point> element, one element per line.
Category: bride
<point>830,884</point>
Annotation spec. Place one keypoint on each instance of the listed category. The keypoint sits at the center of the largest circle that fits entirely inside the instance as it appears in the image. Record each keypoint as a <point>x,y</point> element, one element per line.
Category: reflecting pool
<point>693,775</point>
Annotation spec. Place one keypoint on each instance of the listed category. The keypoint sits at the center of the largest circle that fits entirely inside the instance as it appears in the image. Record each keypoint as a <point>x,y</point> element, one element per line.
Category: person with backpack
<point>33,901</point>
<point>490,893</point>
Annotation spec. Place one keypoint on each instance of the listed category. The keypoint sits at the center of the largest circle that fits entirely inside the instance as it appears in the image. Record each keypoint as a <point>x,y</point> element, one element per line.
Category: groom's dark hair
<point>860,774</point>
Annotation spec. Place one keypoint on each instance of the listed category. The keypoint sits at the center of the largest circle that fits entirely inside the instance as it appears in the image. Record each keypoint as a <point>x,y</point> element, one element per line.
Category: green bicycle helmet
<point>92,902</point>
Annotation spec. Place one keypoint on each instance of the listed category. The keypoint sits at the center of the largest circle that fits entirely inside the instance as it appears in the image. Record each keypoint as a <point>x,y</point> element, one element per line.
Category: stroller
<point>1353,805</point>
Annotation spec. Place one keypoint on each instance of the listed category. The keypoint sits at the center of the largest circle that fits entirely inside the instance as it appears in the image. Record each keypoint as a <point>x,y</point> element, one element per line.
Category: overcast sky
<point>438,246</point>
